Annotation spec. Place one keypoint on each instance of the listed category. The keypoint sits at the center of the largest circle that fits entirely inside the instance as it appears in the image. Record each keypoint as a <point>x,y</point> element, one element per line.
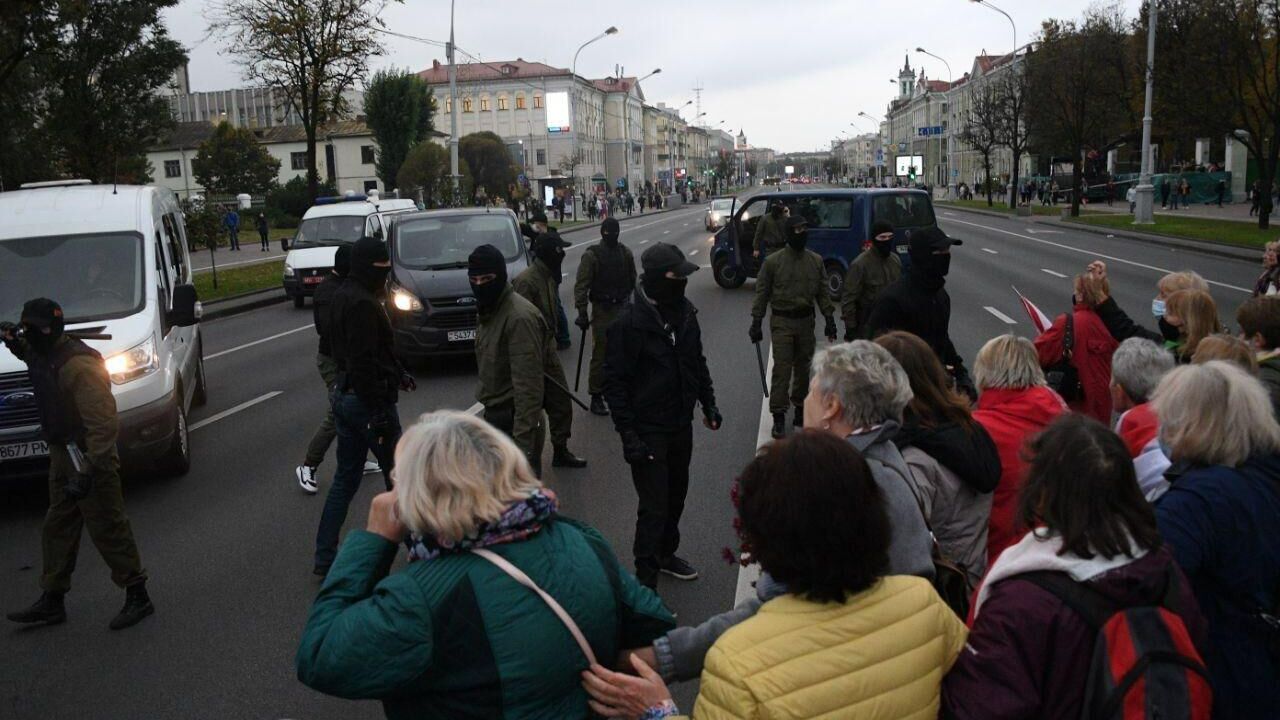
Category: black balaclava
<point>487,260</point>
<point>882,248</point>
<point>609,231</point>
<point>797,233</point>
<point>929,269</point>
<point>547,249</point>
<point>342,261</point>
<point>364,254</point>
<point>666,293</point>
<point>39,313</point>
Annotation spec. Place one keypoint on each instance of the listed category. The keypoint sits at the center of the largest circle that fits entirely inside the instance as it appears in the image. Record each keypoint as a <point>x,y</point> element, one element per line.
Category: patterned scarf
<point>518,522</point>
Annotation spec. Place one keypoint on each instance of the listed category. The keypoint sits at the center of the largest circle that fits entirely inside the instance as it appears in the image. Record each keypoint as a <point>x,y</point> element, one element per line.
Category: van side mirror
<point>183,313</point>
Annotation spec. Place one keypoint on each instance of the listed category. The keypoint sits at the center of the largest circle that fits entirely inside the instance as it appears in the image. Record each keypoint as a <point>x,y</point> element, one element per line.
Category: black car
<point>429,297</point>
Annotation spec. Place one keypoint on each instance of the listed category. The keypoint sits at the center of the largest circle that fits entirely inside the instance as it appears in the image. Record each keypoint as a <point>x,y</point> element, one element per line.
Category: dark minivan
<point>429,297</point>
<point>839,227</point>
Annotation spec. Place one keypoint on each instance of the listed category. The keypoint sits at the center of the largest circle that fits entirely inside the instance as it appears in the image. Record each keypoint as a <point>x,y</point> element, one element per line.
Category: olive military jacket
<point>537,285</point>
<point>769,235</point>
<point>512,347</point>
<point>868,276</point>
<point>590,267</point>
<point>792,282</point>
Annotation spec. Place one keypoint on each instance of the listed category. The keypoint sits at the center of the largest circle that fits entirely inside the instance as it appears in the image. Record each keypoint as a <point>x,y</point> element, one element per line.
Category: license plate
<point>18,451</point>
<point>312,280</point>
<point>461,335</point>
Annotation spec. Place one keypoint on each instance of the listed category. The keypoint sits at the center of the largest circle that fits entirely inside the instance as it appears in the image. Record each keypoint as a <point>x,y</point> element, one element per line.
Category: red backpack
<point>1144,665</point>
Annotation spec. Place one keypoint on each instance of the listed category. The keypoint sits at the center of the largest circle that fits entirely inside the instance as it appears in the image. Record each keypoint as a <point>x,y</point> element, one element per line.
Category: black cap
<point>610,227</point>
<point>538,216</point>
<point>342,260</point>
<point>795,221</point>
<point>486,260</point>
<point>664,257</point>
<point>42,313</point>
<point>930,239</point>
<point>550,237</point>
<point>368,251</point>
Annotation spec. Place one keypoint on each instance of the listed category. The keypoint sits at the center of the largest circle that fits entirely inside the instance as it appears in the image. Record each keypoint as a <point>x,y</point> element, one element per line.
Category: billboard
<point>557,112</point>
<point>904,163</point>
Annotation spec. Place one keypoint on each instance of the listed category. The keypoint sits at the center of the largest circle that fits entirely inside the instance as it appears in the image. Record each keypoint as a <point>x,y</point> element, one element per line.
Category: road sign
<point>929,131</point>
<point>955,172</point>
<point>879,157</point>
<point>902,146</point>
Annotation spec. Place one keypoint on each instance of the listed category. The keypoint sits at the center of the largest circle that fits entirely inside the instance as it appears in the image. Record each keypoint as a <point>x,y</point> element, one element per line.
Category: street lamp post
<point>880,167</point>
<point>950,181</point>
<point>1144,208</point>
<point>453,109</point>
<point>573,108</point>
<point>1012,190</point>
<point>626,127</point>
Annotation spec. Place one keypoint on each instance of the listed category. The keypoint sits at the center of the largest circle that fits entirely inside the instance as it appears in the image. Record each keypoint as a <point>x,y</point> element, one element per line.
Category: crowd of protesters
<point>1101,525</point>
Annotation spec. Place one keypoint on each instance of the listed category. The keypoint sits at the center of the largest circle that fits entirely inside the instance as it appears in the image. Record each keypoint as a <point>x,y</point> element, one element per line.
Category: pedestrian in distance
<point>1089,354</point>
<point>1164,192</point>
<point>654,373</point>
<point>366,388</point>
<point>1137,367</point>
<point>592,208</point>
<point>463,630</point>
<point>78,419</point>
<point>1255,198</point>
<point>1221,190</point>
<point>813,516</point>
<point>876,268</point>
<point>1091,549</point>
<point>1111,191</point>
<point>605,282</point>
<point>1131,195</point>
<point>790,283</point>
<point>539,284</point>
<point>1221,520</point>
<point>643,200</point>
<point>1185,191</point>
<point>231,221</point>
<point>1259,320</point>
<point>263,229</point>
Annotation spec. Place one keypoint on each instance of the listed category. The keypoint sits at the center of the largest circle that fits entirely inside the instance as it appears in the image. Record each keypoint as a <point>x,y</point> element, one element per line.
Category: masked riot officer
<point>606,278</point>
<point>78,419</point>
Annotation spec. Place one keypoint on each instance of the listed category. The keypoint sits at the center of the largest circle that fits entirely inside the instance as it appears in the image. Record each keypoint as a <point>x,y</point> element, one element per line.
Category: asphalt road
<point>229,546</point>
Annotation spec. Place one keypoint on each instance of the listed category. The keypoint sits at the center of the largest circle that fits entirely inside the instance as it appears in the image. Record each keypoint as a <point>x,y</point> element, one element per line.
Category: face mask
<point>552,257</point>
<point>663,290</point>
<point>931,269</point>
<point>796,241</point>
<point>1171,333</point>
<point>487,294</point>
<point>609,239</point>
<point>41,342</point>
<point>883,247</point>
<point>1157,307</point>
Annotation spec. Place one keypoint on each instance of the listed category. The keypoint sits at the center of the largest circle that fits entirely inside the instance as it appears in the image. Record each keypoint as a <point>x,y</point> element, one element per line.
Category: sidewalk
<point>226,258</point>
<point>1238,212</point>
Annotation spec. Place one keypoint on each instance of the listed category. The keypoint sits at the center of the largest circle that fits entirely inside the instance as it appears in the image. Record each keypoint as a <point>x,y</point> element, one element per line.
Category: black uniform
<point>322,306</point>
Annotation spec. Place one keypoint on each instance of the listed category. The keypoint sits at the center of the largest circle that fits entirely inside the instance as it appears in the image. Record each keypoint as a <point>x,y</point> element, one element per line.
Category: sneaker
<point>307,479</point>
<point>371,467</point>
<point>678,568</point>
<point>779,430</point>
<point>49,610</point>
<point>137,605</point>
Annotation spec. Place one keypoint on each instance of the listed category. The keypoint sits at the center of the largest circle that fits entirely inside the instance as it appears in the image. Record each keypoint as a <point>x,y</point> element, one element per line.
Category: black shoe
<point>563,458</point>
<point>597,405</point>
<point>797,418</point>
<point>779,426</point>
<point>49,610</point>
<point>320,570</point>
<point>137,605</point>
<point>678,568</point>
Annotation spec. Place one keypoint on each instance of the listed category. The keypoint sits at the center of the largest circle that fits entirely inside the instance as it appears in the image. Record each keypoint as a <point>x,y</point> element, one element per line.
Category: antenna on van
<point>115,171</point>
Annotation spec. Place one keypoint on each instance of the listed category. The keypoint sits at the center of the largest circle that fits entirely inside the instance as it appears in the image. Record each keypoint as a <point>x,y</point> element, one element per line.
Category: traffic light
<point>911,173</point>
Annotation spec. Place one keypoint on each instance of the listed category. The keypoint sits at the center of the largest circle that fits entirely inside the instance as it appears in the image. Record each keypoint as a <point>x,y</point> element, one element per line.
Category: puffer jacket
<point>801,659</point>
<point>1090,356</point>
<point>1011,417</point>
<point>910,547</point>
<point>456,637</point>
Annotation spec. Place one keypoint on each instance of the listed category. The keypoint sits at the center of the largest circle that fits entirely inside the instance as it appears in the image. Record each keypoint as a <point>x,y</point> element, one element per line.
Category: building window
<point>448,104</point>
<point>466,104</point>
<point>172,168</point>
<point>366,154</point>
<point>298,160</point>
<point>502,102</point>
<point>484,104</point>
<point>542,157</point>
<point>519,102</point>
<point>370,185</point>
<point>537,101</point>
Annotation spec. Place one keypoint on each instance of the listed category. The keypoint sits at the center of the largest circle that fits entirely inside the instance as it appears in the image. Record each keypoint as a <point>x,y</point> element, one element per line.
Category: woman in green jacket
<point>452,635</point>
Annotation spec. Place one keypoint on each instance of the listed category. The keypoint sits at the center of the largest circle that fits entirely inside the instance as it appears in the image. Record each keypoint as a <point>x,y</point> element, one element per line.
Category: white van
<point>116,259</point>
<point>331,222</point>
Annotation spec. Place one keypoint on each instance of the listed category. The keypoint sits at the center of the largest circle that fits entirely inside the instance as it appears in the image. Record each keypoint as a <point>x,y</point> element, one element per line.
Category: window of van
<point>433,243</point>
<point>93,277</point>
<point>824,212</point>
<point>332,230</point>
<point>903,210</point>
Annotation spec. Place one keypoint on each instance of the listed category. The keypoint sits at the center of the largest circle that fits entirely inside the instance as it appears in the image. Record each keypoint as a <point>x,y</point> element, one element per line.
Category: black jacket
<point>652,378</point>
<point>362,344</point>
<point>908,305</point>
<point>969,453</point>
<point>1121,326</point>
<point>322,310</point>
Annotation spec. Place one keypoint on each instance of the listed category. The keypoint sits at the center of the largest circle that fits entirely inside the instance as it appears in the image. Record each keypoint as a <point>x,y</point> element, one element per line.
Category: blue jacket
<point>1223,526</point>
<point>232,220</point>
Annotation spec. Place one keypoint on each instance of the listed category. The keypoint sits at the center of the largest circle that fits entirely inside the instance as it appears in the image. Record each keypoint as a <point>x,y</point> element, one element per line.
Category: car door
<point>176,342</point>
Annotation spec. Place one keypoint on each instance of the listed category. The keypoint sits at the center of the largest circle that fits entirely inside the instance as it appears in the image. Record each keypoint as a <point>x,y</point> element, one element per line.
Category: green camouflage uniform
<point>769,234</point>
<point>791,282</point>
<point>537,285</point>
<point>599,263</point>
<point>868,276</point>
<point>514,345</point>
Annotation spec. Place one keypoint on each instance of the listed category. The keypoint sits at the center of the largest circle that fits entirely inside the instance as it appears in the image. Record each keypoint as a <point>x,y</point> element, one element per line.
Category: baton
<point>582,346</point>
<point>760,359</point>
<point>565,390</point>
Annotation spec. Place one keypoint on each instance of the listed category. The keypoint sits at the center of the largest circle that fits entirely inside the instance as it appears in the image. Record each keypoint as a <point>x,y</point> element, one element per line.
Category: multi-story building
<point>670,146</point>
<point>699,160</point>
<point>624,131</point>
<point>243,107</point>
<point>968,162</point>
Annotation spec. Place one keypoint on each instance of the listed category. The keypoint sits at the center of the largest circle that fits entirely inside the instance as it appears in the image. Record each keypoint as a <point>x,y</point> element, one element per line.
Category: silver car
<point>717,213</point>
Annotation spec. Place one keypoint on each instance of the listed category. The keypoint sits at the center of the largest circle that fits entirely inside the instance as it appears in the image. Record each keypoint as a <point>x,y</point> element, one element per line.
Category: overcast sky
<point>792,74</point>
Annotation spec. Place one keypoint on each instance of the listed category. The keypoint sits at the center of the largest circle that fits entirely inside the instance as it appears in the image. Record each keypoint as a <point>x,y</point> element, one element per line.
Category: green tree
<point>490,162</point>
<point>287,203</point>
<point>400,109</point>
<point>231,162</point>
<point>308,51</point>
<point>426,169</point>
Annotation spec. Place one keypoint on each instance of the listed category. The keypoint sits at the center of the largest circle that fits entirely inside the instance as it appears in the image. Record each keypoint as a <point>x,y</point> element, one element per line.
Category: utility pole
<point>453,109</point>
<point>1144,207</point>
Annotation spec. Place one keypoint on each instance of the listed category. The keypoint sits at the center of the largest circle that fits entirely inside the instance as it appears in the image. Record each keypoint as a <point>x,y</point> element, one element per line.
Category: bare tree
<point>308,51</point>
<point>1012,130</point>
<point>982,125</point>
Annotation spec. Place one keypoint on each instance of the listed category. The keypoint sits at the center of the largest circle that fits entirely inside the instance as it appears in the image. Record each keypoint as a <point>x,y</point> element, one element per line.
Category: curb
<point>624,218</point>
<point>228,306</point>
<point>976,211</point>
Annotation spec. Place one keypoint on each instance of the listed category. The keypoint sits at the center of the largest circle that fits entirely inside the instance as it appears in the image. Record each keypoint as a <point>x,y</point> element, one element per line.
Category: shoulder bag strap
<point>1069,339</point>
<point>518,575</point>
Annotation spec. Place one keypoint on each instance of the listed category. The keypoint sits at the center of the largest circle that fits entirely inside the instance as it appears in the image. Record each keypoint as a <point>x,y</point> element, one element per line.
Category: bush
<point>292,199</point>
<point>204,224</point>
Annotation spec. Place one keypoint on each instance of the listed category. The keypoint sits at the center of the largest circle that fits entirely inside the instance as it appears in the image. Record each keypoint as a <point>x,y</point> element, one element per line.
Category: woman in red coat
<point>1091,351</point>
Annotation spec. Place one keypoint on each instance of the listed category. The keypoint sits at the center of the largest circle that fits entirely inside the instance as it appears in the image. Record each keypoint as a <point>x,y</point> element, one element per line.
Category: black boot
<point>597,405</point>
<point>563,458</point>
<point>779,426</point>
<point>137,605</point>
<point>48,610</point>
<point>797,419</point>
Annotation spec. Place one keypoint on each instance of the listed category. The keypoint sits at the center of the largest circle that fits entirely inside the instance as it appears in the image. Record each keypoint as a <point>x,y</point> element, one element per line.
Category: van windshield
<point>93,277</point>
<point>435,243</point>
<point>329,231</point>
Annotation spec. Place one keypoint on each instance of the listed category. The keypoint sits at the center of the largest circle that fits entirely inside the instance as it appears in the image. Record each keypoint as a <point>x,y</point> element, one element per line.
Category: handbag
<point>518,575</point>
<point>1062,376</point>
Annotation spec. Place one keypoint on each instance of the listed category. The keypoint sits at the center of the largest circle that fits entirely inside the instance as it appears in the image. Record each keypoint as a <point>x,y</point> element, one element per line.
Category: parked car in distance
<point>717,213</point>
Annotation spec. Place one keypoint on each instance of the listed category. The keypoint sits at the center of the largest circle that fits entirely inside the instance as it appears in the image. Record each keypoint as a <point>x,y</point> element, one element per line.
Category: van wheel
<point>835,279</point>
<point>727,276</point>
<point>299,301</point>
<point>201,395</point>
<point>177,459</point>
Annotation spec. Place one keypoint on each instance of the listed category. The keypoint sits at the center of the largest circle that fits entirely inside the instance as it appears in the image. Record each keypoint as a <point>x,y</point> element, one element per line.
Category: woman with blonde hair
<point>1269,282</point>
<point>1221,519</point>
<point>463,631</point>
<point>1120,325</point>
<point>1191,316</point>
<point>1229,348</point>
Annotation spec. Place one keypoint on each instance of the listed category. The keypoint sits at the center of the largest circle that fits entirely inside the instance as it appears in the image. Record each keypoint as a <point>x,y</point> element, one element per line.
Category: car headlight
<point>715,217</point>
<point>288,270</point>
<point>403,300</point>
<point>136,362</point>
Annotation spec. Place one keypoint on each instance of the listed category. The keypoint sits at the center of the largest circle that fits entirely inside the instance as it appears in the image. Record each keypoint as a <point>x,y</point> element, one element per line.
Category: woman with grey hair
<point>1137,366</point>
<point>500,602</point>
<point>1221,518</point>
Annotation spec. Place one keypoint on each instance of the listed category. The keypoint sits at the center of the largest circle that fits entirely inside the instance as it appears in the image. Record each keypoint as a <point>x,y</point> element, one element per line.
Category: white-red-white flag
<point>1038,319</point>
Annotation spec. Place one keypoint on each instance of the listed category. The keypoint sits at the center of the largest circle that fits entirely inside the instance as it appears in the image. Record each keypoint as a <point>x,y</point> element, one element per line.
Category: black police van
<point>839,227</point>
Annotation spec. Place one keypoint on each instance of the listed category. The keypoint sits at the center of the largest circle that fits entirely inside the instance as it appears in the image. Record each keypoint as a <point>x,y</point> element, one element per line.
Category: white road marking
<point>686,224</point>
<point>1090,253</point>
<point>666,232</point>
<point>692,253</point>
<point>622,228</point>
<point>643,242</point>
<point>232,411</point>
<point>1000,316</point>
<point>1051,272</point>
<point>951,214</point>
<point>277,336</point>
<point>989,250</point>
<point>1044,232</point>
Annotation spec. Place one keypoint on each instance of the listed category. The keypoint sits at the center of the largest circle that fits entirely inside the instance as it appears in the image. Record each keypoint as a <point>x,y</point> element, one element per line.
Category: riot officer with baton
<point>606,278</point>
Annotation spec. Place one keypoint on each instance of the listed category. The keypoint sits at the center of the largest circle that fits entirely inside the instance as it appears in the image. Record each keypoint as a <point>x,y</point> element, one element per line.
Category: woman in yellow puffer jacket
<point>845,641</point>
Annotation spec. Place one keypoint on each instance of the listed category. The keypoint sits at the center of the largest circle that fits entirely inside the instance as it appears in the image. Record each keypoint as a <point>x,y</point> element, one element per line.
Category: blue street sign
<point>929,131</point>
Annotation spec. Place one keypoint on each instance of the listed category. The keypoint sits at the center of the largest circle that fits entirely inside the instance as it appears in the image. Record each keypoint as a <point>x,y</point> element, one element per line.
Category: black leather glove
<point>712,417</point>
<point>830,330</point>
<point>382,426</point>
<point>634,450</point>
<point>755,332</point>
<point>79,485</point>
<point>583,321</point>
<point>850,333</point>
<point>407,383</point>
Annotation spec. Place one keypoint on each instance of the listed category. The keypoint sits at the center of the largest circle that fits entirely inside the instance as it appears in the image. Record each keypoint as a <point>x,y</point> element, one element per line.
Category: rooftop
<point>438,74</point>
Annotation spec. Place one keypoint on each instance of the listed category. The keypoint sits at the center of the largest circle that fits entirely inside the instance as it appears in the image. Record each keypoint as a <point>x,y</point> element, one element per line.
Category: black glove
<point>407,383</point>
<point>79,485</point>
<point>850,333</point>
<point>583,321</point>
<point>634,450</point>
<point>755,332</point>
<point>713,417</point>
<point>382,426</point>
<point>830,330</point>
